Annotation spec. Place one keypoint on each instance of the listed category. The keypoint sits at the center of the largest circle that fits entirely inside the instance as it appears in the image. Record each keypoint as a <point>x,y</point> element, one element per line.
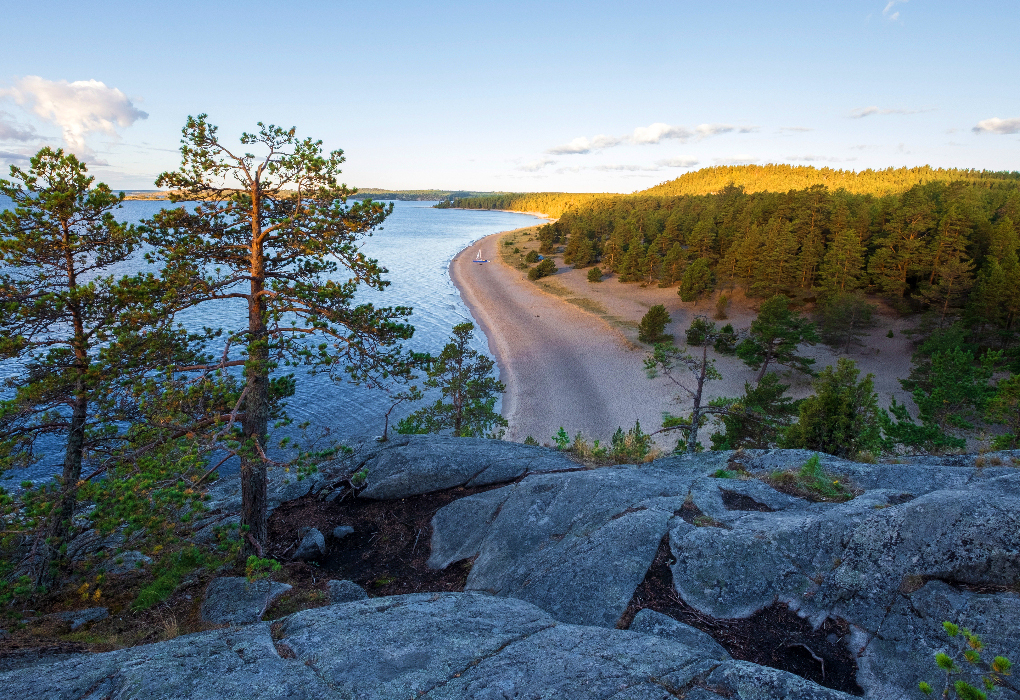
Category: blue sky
<point>523,96</point>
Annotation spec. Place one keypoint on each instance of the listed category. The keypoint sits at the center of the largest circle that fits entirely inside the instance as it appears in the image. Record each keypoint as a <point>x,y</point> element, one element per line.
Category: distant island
<point>362,193</point>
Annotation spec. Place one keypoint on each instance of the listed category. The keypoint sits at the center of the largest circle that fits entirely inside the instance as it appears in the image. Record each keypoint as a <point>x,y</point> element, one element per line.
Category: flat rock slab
<point>659,625</point>
<point>410,465</point>
<point>345,592</point>
<point>77,618</point>
<point>453,646</point>
<point>233,600</point>
<point>575,544</point>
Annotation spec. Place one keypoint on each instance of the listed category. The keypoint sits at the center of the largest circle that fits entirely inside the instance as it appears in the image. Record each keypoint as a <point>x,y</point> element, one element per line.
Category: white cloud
<point>861,112</point>
<point>890,13</point>
<point>680,162</point>
<point>11,130</point>
<point>998,126</point>
<point>819,159</point>
<point>536,165</point>
<point>79,108</point>
<point>735,160</point>
<point>796,128</point>
<point>647,135</point>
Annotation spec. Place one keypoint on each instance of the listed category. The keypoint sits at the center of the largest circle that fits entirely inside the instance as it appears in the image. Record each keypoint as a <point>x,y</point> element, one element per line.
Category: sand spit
<point>568,352</point>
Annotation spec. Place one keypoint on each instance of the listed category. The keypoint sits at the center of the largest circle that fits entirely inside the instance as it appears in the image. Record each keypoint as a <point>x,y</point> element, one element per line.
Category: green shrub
<point>561,439</point>
<point>653,325</point>
<point>531,257</point>
<point>968,648</point>
<point>543,269</point>
<point>700,332</point>
<point>169,574</point>
<point>595,274</point>
<point>726,340</point>
<point>812,482</point>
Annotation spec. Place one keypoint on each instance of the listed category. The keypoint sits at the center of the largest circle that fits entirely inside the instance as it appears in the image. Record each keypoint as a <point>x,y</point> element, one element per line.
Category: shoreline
<point>562,366</point>
<point>568,353</point>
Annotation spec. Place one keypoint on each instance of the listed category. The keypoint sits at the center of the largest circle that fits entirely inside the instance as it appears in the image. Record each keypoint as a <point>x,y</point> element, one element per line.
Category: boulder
<point>659,625</point>
<point>576,544</point>
<point>409,465</point>
<point>78,618</point>
<point>233,600</point>
<point>126,562</point>
<point>345,592</point>
<point>341,531</point>
<point>452,646</point>
<point>313,546</point>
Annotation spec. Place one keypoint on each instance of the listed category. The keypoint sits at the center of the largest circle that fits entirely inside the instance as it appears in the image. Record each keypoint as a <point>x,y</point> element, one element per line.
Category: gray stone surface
<point>126,562</point>
<point>451,646</point>
<point>313,546</point>
<point>575,544</point>
<point>409,465</point>
<point>232,600</point>
<point>77,618</point>
<point>659,625</point>
<point>345,592</point>
<point>747,681</point>
<point>341,531</point>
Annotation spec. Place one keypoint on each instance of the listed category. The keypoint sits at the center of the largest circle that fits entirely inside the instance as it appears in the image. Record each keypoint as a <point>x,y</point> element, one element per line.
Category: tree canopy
<point>272,233</point>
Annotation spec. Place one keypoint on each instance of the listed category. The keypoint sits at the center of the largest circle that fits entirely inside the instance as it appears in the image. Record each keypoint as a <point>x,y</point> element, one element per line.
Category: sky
<point>524,96</point>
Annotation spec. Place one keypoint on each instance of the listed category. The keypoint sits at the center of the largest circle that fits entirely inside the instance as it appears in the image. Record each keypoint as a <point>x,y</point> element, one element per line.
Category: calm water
<point>416,245</point>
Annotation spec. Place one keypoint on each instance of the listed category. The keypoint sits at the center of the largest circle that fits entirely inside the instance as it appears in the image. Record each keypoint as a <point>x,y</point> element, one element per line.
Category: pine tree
<point>775,336</point>
<point>87,342</point>
<point>843,267</point>
<point>274,246</point>
<point>469,392</point>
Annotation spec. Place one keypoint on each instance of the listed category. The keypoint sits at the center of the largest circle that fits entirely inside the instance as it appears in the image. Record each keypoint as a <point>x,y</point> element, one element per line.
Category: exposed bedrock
<point>921,543</point>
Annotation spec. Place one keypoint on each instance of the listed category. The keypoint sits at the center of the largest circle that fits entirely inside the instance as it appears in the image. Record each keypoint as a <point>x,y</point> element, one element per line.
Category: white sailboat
<point>478,257</point>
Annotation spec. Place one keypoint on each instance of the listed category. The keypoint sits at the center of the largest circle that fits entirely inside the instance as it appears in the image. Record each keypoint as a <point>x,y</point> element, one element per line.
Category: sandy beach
<point>568,353</point>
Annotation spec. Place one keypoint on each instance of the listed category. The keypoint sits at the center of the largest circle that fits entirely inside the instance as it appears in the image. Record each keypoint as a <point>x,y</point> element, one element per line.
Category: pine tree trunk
<point>60,522</point>
<point>255,424</point>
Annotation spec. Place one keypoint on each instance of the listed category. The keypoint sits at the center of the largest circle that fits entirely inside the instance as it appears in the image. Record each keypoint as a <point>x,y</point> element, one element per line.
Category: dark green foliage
<point>721,304</point>
<point>757,419</point>
<point>531,441</point>
<point>939,239</point>
<point>595,274</point>
<point>97,351</point>
<point>170,571</point>
<point>543,269</point>
<point>652,328</point>
<point>1004,408</point>
<point>469,392</point>
<point>774,337</point>
<point>841,418</point>
<point>532,257</point>
<point>631,446</point>
<point>844,318</point>
<point>275,244</point>
<point>701,331</point>
<point>698,280</point>
<point>725,340</point>
<point>951,390</point>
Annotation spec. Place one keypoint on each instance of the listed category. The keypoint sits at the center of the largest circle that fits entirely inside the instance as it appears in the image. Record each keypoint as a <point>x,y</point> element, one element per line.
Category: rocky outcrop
<point>234,600</point>
<point>560,554</point>
<point>436,646</point>
<point>921,543</point>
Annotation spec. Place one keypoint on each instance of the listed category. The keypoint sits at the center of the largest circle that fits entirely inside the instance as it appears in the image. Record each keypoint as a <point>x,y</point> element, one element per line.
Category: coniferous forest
<point>944,241</point>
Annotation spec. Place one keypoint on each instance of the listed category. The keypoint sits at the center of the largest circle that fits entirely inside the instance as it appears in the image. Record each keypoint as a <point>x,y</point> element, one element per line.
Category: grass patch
<point>812,482</point>
<point>169,575</point>
<point>587,304</point>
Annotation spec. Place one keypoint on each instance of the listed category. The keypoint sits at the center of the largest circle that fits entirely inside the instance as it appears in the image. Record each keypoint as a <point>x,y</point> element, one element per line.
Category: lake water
<point>416,245</point>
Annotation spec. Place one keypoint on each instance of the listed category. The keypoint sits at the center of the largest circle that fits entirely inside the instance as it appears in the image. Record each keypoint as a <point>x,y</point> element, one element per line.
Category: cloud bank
<point>646,135</point>
<point>862,112</point>
<point>11,130</point>
<point>79,108</point>
<point>998,126</point>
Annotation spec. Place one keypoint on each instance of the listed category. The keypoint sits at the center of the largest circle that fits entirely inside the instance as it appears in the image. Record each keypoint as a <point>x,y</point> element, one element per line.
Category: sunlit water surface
<point>416,245</point>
